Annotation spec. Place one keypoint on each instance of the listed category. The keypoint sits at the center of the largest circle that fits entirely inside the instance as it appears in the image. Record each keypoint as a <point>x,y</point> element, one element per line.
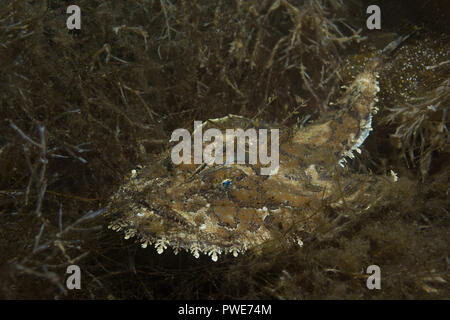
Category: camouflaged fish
<point>231,208</point>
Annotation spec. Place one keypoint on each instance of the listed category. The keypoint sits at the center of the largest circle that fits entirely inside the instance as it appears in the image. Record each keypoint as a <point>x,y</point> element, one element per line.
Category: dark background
<point>80,109</point>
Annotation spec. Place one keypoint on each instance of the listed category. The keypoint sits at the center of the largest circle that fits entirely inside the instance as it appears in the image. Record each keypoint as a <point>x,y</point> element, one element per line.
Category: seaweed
<point>79,110</point>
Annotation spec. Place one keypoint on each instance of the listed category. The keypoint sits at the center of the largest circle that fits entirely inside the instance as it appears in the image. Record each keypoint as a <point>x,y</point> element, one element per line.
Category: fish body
<point>230,208</point>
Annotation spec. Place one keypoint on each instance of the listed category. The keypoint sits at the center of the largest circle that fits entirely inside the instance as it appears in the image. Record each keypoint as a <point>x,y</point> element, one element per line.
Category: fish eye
<point>226,183</point>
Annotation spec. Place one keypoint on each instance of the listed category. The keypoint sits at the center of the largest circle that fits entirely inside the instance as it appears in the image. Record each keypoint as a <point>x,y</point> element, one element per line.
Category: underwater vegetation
<point>80,110</point>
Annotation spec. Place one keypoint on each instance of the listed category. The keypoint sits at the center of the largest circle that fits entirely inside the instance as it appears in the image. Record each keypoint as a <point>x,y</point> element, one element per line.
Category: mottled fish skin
<point>190,207</point>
